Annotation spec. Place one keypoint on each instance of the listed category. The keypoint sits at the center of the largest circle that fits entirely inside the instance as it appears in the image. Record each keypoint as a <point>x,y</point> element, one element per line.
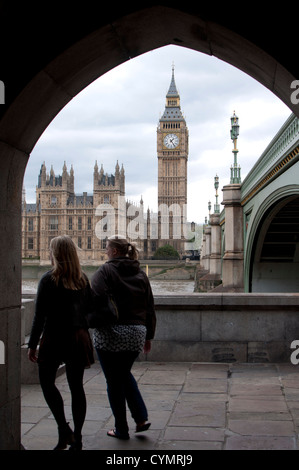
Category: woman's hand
<point>147,346</point>
<point>32,355</point>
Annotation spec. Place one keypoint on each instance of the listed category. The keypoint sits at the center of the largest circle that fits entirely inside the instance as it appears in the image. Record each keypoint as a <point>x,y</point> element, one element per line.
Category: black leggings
<point>74,374</point>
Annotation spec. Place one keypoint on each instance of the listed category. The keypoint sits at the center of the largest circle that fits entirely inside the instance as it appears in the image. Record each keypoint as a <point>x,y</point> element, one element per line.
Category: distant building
<point>89,219</point>
<point>58,210</point>
<point>172,151</point>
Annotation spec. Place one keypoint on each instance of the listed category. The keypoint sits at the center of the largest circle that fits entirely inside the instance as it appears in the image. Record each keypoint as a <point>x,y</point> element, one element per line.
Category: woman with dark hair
<point>119,344</point>
<point>63,300</point>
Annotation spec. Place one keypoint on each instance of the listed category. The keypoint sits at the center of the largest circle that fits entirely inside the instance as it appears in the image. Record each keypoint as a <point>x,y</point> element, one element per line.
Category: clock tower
<point>172,151</point>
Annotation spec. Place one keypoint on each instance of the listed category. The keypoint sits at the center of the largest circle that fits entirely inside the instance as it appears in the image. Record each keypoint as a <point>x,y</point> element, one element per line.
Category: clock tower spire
<point>172,152</point>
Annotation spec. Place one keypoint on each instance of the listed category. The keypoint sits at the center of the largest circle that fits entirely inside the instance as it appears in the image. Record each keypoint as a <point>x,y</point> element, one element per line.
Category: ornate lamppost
<point>235,176</point>
<point>216,185</point>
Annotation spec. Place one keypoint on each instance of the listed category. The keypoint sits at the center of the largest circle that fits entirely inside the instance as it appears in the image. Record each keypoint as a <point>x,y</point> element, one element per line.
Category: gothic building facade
<point>89,219</point>
<point>58,210</point>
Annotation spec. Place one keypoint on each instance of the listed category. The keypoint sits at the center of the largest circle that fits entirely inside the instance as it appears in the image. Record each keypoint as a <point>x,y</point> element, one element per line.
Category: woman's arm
<point>41,303</point>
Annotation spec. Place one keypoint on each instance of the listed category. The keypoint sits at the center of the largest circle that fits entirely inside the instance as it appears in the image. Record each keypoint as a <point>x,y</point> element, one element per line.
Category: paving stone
<point>32,414</point>
<point>192,406</point>
<point>258,416</point>
<point>100,414</point>
<point>163,377</point>
<point>202,397</point>
<point>39,442</point>
<point>292,397</point>
<point>182,433</point>
<point>206,385</point>
<point>257,405</point>
<point>200,414</point>
<point>260,443</point>
<point>103,442</point>
<point>45,427</point>
<point>189,445</point>
<point>36,399</point>
<point>261,428</point>
<point>212,371</point>
<point>168,366</point>
<point>255,389</point>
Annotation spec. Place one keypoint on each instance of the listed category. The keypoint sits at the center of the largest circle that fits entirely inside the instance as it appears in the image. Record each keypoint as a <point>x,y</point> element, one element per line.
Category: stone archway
<point>35,94</point>
<point>275,255</point>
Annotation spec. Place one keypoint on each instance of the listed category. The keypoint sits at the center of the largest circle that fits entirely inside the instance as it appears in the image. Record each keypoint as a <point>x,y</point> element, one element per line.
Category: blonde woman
<point>63,300</point>
<point>119,344</point>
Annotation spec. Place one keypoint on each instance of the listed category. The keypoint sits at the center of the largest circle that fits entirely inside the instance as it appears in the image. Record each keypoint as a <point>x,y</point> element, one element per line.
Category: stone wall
<point>218,327</point>
<point>225,327</point>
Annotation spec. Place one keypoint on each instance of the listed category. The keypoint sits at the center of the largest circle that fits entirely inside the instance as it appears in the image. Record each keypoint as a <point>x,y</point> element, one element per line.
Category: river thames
<point>159,287</point>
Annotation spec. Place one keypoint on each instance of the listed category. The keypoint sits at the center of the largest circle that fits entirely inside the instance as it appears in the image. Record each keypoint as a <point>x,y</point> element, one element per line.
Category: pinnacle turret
<point>172,92</point>
<point>172,110</point>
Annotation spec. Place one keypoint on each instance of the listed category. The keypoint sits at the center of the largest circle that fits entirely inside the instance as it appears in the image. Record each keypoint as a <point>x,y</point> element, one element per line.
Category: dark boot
<point>66,437</point>
<point>77,444</point>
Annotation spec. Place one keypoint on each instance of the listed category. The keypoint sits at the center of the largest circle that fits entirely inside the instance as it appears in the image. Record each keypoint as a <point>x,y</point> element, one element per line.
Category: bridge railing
<point>284,142</point>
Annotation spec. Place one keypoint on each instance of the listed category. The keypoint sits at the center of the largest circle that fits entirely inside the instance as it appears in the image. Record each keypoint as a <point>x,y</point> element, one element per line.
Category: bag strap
<point>109,279</point>
<point>110,293</point>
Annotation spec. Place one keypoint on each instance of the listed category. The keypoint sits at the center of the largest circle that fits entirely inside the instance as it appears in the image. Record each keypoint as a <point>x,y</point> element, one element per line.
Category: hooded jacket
<point>131,291</point>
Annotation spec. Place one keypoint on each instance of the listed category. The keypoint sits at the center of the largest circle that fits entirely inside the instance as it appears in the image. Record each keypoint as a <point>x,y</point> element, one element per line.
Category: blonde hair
<point>66,265</point>
<point>123,247</point>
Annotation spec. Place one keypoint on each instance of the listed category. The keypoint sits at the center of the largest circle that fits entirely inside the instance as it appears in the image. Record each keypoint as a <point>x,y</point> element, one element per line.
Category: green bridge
<point>253,244</point>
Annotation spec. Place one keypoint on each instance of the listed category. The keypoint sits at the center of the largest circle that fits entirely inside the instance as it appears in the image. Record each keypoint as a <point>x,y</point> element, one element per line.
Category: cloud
<point>116,117</point>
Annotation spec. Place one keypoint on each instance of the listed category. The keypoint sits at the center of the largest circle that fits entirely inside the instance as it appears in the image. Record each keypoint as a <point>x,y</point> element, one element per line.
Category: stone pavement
<point>192,406</point>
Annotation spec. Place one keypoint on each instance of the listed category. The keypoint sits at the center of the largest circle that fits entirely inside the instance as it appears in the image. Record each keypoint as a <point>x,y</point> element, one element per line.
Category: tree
<point>166,252</point>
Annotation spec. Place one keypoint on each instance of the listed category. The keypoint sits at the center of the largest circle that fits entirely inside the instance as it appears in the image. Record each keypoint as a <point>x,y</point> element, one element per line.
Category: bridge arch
<point>271,258</point>
<point>38,86</point>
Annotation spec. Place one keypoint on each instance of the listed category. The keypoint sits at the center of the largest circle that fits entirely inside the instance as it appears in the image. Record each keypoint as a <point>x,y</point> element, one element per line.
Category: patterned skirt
<point>120,338</point>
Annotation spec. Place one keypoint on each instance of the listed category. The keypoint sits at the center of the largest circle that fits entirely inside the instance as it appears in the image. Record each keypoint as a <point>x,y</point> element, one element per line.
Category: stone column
<point>232,264</point>
<point>203,252</point>
<point>215,256</point>
<point>12,166</point>
<point>206,260</point>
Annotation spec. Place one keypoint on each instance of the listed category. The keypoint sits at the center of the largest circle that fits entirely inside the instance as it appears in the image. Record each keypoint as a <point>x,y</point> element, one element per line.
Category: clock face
<point>171,141</point>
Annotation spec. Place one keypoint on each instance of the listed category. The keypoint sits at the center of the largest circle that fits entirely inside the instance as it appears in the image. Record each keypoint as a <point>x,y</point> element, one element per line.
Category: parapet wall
<point>225,327</point>
<point>218,327</point>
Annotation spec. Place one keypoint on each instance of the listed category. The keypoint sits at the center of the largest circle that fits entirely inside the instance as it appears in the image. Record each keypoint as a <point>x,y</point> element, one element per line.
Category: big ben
<point>172,152</point>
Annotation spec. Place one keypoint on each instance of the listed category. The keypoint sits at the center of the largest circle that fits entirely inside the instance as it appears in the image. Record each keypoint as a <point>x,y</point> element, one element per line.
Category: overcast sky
<point>116,118</point>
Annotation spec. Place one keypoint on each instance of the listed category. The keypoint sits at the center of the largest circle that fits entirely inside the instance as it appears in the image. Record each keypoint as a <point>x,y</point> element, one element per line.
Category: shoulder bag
<point>105,313</point>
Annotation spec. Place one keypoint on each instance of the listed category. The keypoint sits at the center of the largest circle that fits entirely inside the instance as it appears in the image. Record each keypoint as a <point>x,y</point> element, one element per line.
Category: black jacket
<point>59,311</point>
<point>131,290</point>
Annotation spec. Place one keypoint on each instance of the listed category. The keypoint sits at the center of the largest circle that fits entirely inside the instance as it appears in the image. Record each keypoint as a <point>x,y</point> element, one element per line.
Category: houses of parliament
<point>58,210</point>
